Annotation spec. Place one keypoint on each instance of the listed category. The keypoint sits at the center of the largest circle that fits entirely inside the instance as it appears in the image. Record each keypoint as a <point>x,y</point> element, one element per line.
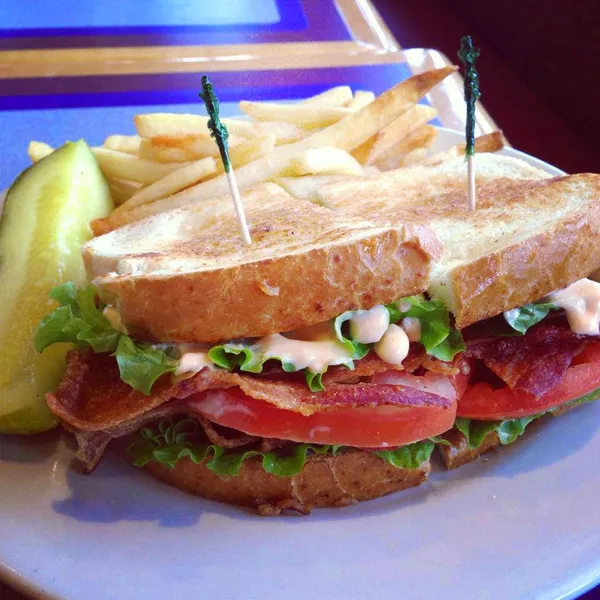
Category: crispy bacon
<point>97,406</point>
<point>93,397</point>
<point>534,362</point>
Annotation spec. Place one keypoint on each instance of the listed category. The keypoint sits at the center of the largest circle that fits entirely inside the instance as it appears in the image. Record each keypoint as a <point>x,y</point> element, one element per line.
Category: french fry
<point>347,134</point>
<point>307,116</point>
<point>393,158</point>
<point>326,161</point>
<point>242,151</point>
<point>491,142</point>
<point>174,125</point>
<point>359,126</point>
<point>361,98</point>
<point>120,165</point>
<point>129,144</point>
<point>249,150</point>
<point>185,148</point>
<point>166,155</point>
<point>121,191</point>
<point>38,150</point>
<point>285,133</point>
<point>403,126</point>
<point>416,156</point>
<point>159,125</point>
<point>361,154</point>
<point>172,183</point>
<point>335,96</point>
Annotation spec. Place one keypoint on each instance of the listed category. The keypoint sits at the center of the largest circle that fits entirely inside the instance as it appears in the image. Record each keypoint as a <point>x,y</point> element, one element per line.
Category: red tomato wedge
<point>364,427</point>
<point>482,402</point>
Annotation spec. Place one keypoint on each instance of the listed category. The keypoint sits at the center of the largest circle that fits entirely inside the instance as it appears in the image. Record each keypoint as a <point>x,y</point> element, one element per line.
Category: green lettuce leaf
<point>356,349</point>
<point>408,457</point>
<point>521,319</point>
<point>140,365</point>
<point>508,431</point>
<point>248,356</point>
<point>511,429</point>
<point>438,337</point>
<point>591,397</point>
<point>79,320</point>
<point>314,381</point>
<point>174,439</point>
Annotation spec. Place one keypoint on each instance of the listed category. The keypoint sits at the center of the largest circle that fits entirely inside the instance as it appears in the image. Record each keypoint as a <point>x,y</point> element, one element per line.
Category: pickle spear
<point>43,225</point>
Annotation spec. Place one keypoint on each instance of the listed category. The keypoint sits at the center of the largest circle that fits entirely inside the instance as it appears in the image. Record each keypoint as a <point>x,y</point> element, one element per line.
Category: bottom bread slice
<point>325,481</point>
<point>458,452</point>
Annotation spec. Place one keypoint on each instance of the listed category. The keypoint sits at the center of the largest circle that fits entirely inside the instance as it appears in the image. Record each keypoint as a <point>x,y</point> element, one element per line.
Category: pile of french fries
<point>173,161</point>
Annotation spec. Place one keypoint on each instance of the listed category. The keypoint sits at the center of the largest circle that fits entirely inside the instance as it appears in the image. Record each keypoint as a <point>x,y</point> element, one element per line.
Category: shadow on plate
<point>118,491</point>
<point>536,449</point>
<point>28,449</point>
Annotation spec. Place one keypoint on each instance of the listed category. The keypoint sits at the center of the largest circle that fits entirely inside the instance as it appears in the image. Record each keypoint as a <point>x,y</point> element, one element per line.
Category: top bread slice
<point>531,234</point>
<point>187,276</point>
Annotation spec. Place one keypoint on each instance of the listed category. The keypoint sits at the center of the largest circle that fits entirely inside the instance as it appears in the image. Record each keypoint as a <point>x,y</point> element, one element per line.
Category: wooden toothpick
<point>468,55</point>
<point>220,134</point>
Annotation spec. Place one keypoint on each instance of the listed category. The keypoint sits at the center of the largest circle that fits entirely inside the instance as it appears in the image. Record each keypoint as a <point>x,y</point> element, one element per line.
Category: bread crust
<point>529,270</point>
<point>326,481</point>
<point>459,454</point>
<point>275,294</point>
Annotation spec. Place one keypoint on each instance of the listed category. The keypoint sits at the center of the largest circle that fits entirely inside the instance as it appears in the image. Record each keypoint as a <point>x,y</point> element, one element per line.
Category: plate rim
<point>31,588</point>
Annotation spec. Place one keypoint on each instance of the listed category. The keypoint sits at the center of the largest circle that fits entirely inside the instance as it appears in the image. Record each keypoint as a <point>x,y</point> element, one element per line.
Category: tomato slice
<point>364,427</point>
<point>481,401</point>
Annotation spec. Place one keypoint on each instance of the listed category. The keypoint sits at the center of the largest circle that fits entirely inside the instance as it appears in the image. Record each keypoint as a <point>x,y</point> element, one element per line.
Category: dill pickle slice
<point>43,225</point>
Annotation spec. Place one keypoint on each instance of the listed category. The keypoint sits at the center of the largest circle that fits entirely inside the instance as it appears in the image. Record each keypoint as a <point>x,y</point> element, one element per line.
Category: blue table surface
<point>18,15</point>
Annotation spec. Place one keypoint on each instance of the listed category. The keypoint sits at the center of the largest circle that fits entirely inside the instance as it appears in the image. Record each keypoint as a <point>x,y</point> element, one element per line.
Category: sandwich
<point>514,276</point>
<point>323,364</point>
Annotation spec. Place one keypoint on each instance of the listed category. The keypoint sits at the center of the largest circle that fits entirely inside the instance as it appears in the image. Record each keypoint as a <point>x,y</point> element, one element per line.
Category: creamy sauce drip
<point>194,358</point>
<point>581,303</point>
<point>393,347</point>
<point>315,356</point>
<point>316,348</point>
<point>369,326</point>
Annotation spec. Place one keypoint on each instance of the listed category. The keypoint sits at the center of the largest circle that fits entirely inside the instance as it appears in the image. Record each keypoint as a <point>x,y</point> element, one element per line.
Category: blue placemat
<point>116,23</point>
<point>50,15</point>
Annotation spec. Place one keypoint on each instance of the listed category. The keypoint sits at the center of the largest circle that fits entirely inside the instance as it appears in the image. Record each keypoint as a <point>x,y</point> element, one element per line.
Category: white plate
<point>522,524</point>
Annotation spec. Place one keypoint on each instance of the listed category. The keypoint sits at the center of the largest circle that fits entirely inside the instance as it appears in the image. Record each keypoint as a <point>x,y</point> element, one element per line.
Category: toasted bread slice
<point>529,235</point>
<point>187,276</point>
<point>325,481</point>
<point>459,454</point>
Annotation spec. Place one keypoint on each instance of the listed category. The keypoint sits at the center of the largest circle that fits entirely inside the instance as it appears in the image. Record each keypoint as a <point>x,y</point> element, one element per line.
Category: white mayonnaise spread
<point>412,327</point>
<point>581,303</point>
<point>315,356</point>
<point>194,358</point>
<point>393,347</point>
<point>316,348</point>
<point>368,326</point>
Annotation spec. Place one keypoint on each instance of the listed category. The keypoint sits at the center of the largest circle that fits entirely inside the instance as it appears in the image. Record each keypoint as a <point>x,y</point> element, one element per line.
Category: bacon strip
<point>534,362</point>
<point>92,396</point>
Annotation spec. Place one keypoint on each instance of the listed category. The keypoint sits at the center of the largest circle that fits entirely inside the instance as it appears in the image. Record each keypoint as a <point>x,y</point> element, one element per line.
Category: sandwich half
<point>323,364</point>
<point>247,374</point>
<point>514,275</point>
